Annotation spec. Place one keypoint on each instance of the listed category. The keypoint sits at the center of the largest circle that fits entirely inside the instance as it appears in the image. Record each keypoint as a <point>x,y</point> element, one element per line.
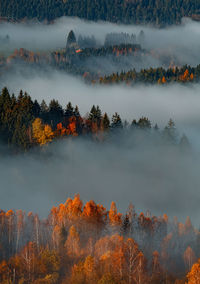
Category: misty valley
<point>121,58</point>
<point>99,142</point>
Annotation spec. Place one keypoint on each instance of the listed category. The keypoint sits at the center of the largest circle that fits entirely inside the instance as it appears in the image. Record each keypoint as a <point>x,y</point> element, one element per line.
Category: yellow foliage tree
<point>42,134</point>
<point>48,133</point>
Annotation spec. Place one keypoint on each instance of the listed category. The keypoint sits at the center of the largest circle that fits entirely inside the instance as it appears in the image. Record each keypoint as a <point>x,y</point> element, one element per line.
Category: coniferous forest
<point>99,106</point>
<point>155,12</point>
<point>25,123</point>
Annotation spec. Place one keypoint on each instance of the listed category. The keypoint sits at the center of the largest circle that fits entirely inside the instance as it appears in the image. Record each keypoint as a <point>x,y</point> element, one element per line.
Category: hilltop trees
<point>74,60</point>
<point>25,123</point>
<point>16,115</point>
<point>55,113</point>
<point>161,76</point>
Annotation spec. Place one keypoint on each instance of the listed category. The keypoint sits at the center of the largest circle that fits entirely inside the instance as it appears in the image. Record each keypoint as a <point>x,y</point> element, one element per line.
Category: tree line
<point>111,39</point>
<point>87,244</point>
<point>155,12</point>
<point>25,123</point>
<point>76,61</point>
<point>184,74</point>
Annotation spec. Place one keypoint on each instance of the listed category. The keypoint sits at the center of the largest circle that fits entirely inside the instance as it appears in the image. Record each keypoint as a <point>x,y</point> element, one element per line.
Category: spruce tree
<point>71,38</point>
<point>116,121</point>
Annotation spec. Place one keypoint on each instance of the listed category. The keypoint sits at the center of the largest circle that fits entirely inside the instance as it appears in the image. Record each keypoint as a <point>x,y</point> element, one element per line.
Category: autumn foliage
<point>80,243</point>
<point>25,124</point>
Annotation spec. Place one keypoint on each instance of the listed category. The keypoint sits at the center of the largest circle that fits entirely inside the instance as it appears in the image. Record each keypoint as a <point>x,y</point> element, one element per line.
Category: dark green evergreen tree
<point>106,122</point>
<point>71,38</point>
<point>55,114</point>
<point>144,123</point>
<point>116,122</point>
<point>69,111</point>
<point>44,111</point>
<point>76,111</point>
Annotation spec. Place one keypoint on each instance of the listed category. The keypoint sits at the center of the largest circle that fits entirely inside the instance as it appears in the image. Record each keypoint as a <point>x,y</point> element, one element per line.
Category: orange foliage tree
<point>72,243</point>
<point>114,217</point>
<point>194,275</point>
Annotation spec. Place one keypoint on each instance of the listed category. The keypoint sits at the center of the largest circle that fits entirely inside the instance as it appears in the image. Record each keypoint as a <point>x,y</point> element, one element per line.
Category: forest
<point>25,123</point>
<point>122,58</point>
<point>86,243</point>
<point>99,106</point>
<point>185,74</point>
<point>79,54</point>
<point>155,12</point>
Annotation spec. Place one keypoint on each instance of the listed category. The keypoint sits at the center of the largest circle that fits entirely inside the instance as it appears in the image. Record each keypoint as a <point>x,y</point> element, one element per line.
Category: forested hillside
<point>120,56</point>
<point>185,74</point>
<point>155,12</point>
<point>99,99</point>
<point>25,123</point>
<point>89,244</point>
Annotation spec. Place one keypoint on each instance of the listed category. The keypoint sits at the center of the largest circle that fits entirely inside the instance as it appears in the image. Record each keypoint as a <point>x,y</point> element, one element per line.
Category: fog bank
<point>153,178</point>
<point>182,41</point>
<point>160,179</point>
<point>158,103</point>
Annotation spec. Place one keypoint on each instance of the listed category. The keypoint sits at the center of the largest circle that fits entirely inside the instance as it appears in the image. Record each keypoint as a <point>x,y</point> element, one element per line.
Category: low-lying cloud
<point>182,42</point>
<point>155,178</point>
<point>161,179</point>
<point>158,103</point>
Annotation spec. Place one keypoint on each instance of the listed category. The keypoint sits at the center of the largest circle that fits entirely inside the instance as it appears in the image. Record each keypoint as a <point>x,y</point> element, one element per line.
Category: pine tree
<point>105,122</point>
<point>116,122</point>
<point>71,38</point>
<point>69,111</point>
<point>144,123</point>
